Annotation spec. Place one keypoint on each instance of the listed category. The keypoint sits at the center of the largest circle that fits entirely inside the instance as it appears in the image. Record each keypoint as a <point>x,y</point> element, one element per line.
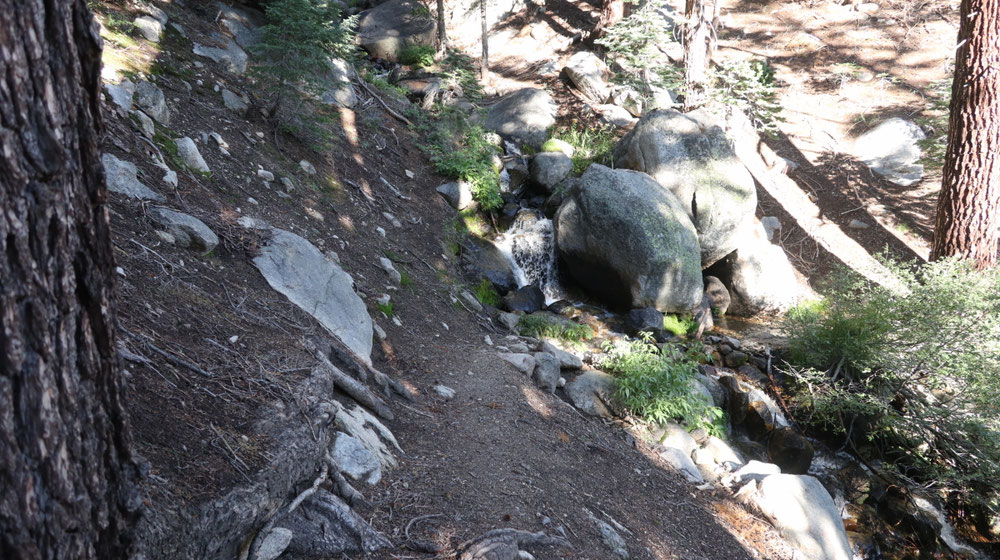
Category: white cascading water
<point>530,248</point>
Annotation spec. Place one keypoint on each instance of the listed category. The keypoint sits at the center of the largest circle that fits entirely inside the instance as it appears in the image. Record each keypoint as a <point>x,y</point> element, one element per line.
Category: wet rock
<point>187,231</point>
<point>390,27</point>
<point>718,296</point>
<point>547,368</point>
<point>121,178</point>
<point>758,422</point>
<point>737,400</point>
<point>647,319</point>
<point>482,259</point>
<point>527,299</point>
<point>791,451</point>
<point>151,100</point>
<point>691,157</point>
<point>189,154</point>
<point>629,242</point>
<point>524,116</point>
<point>592,393</point>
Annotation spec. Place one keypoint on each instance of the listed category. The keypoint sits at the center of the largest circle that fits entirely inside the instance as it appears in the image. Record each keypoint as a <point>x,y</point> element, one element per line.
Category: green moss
<point>486,294</point>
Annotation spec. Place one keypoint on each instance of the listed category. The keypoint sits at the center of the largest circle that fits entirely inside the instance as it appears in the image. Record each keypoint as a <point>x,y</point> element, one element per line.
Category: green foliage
<point>386,309</point>
<point>462,151</point>
<point>749,86</point>
<point>934,122</point>
<point>542,326</point>
<point>294,52</point>
<point>590,145</point>
<point>632,44</point>
<point>459,69</point>
<point>678,325</point>
<point>658,384</point>
<point>918,372</point>
<point>486,294</point>
<point>417,55</point>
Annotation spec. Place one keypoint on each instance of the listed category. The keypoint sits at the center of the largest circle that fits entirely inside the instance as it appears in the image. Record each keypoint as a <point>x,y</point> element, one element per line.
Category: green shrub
<point>633,44</point>
<point>460,69</point>
<point>678,325</point>
<point>417,55</point>
<point>657,385</point>
<point>386,308</point>
<point>749,86</point>
<point>541,326</point>
<point>590,145</point>
<point>486,294</point>
<point>917,373</point>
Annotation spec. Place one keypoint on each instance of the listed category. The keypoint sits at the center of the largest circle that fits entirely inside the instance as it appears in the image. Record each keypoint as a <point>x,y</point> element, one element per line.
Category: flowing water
<point>530,247</point>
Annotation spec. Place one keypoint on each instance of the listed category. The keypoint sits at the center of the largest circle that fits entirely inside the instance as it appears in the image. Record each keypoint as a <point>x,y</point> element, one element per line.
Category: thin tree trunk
<point>442,30</point>
<point>612,11</point>
<point>66,469</point>
<point>484,69</point>
<point>968,209</point>
<point>699,46</point>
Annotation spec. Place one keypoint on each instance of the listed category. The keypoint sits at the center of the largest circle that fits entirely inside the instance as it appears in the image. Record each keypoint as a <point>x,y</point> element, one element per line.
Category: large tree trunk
<point>66,470</point>
<point>442,29</point>
<point>699,46</point>
<point>968,210</point>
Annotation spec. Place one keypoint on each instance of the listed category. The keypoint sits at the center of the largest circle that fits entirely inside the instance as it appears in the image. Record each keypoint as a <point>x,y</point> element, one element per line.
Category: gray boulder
<point>592,393</point>
<point>188,152</point>
<point>230,55</point>
<point>121,94</point>
<point>681,461</point>
<point>718,296</point>
<point>805,514</point>
<point>234,103</point>
<point>548,169</point>
<point>187,231</point>
<point>355,460</point>
<point>547,368</point>
<point>337,88</point>
<point>274,544</point>
<point>524,116</point>
<point>121,178</point>
<point>239,23</point>
<point>790,450</point>
<point>390,27</point>
<point>149,28</point>
<point>143,122</point>
<point>524,363</point>
<point>526,298</point>
<point>567,360</point>
<point>674,435</point>
<point>457,194</point>
<point>761,278</point>
<point>630,242</point>
<point>587,72</point>
<point>692,158</point>
<point>615,115</point>
<point>482,259</point>
<point>647,319</point>
<point>151,100</point>
<point>296,268</point>
<point>892,150</point>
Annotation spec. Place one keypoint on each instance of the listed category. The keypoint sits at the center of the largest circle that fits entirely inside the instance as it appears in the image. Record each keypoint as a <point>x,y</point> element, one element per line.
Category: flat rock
<point>187,230</point>
<point>524,116</point>
<point>296,268</point>
<point>188,151</point>
<point>121,178</point>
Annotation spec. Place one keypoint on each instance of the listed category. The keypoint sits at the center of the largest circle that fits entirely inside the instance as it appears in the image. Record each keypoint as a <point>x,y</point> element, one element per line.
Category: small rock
<point>546,372</point>
<point>121,94</point>
<point>355,460</point>
<point>170,177</point>
<point>379,332</point>
<point>121,178</point>
<point>188,152</point>
<point>471,301</point>
<point>681,461</point>
<point>143,123</point>
<point>592,393</point>
<point>165,237</point>
<point>217,138</point>
<point>612,539</point>
<point>567,360</point>
<point>771,225</point>
<point>287,183</point>
<point>274,544</point>
<point>458,195</point>
<point>446,393</point>
<point>857,224</point>
<point>188,231</point>
<point>525,363</point>
<point>149,28</point>
<point>151,100</point>
<point>234,103</point>
<point>674,435</point>
<point>388,267</point>
<point>736,359</point>
<point>509,320</point>
<point>307,167</point>
<point>267,176</point>
<point>718,296</point>
<point>392,220</point>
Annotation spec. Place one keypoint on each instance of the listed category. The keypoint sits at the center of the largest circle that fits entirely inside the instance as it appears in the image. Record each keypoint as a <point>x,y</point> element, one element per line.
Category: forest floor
<point>501,453</point>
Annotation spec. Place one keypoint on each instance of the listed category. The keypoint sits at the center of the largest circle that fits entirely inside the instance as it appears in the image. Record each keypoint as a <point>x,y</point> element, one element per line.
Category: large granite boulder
<point>805,514</point>
<point>689,155</point>
<point>524,116</point>
<point>629,242</point>
<point>390,27</point>
<point>892,150</point>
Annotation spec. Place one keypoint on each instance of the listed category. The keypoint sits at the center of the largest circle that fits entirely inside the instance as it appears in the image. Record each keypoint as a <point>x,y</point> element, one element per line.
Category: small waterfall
<point>947,531</point>
<point>530,248</point>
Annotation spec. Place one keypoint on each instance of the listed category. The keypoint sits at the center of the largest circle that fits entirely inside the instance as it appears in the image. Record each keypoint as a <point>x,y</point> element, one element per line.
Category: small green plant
<point>749,86</point>
<point>459,69</point>
<point>118,24</point>
<point>421,11</point>
<point>406,279</point>
<point>658,385</point>
<point>590,145</point>
<point>541,326</point>
<point>417,55</point>
<point>680,326</point>
<point>910,376</point>
<point>386,308</point>
<point>487,294</point>
<point>633,45</point>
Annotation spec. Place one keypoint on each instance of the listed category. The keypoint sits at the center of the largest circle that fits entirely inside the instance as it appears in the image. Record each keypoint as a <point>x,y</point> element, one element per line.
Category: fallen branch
<point>387,108</point>
<point>145,340</point>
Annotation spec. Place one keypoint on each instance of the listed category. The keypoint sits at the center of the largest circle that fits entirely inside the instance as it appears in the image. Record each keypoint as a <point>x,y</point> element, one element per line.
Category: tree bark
<point>612,11</point>
<point>968,208</point>
<point>66,467</point>
<point>484,68</point>
<point>699,46</point>
<point>442,30</point>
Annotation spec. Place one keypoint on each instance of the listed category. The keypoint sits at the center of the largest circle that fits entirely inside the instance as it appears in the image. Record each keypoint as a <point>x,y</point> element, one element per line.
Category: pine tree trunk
<point>442,30</point>
<point>612,11</point>
<point>968,209</point>
<point>66,470</point>
<point>699,46</point>
<point>484,69</point>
